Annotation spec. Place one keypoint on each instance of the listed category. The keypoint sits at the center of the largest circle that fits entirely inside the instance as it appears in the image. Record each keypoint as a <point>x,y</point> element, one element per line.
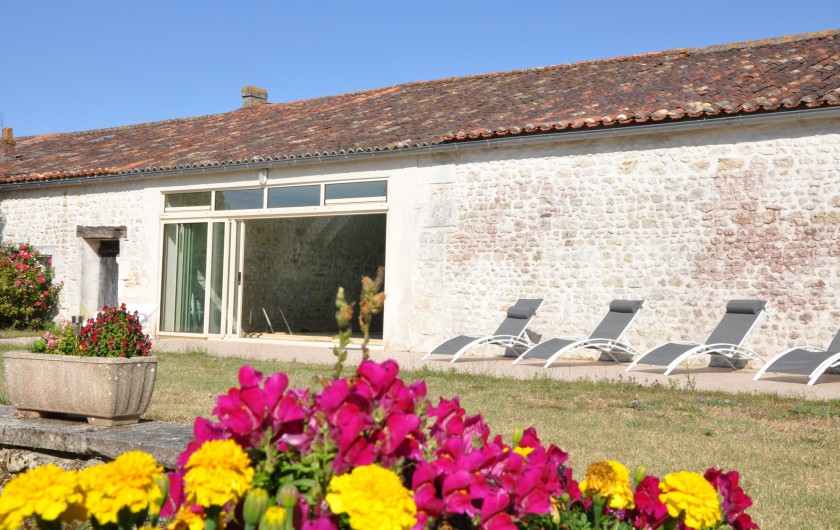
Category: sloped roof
<point>795,72</point>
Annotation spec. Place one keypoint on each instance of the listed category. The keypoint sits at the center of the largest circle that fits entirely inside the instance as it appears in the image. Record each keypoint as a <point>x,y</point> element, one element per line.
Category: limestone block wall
<point>48,217</point>
<point>686,221</point>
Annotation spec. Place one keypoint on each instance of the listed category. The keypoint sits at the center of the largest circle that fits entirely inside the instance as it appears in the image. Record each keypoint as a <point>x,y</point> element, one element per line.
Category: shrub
<point>59,341</point>
<point>114,333</point>
<point>28,297</point>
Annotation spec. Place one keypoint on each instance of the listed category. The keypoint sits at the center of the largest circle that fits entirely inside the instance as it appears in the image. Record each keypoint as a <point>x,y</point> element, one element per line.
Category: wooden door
<point>108,272</point>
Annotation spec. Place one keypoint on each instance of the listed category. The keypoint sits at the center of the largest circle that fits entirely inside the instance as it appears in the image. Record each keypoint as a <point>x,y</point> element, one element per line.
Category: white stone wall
<point>48,217</point>
<point>686,221</point>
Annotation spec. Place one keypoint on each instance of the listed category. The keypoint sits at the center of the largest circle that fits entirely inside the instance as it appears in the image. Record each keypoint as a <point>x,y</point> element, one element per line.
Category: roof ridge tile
<point>688,83</point>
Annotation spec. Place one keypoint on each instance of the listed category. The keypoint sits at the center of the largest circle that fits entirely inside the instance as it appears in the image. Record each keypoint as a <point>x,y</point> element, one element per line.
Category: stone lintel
<point>101,232</point>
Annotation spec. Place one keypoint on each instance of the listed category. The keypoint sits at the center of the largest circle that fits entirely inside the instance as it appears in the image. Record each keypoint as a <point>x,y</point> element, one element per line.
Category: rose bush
<point>60,341</point>
<point>28,297</point>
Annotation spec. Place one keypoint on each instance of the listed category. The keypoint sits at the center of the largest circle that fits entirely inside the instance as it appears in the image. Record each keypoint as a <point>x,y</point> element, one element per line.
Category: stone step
<point>164,441</point>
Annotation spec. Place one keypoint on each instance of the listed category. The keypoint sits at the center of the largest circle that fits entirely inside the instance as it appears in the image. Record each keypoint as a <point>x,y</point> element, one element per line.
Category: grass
<point>786,449</point>
<point>17,333</point>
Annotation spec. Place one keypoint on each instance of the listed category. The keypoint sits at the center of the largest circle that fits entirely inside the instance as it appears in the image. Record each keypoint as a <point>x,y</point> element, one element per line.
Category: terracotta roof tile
<point>777,74</point>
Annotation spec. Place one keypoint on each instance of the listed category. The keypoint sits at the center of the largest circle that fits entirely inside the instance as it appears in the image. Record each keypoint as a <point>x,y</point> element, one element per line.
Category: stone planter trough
<point>105,390</point>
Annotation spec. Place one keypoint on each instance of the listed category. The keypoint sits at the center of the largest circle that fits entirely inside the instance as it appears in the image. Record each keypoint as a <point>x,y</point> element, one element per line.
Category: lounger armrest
<point>737,349</point>
<point>728,346</point>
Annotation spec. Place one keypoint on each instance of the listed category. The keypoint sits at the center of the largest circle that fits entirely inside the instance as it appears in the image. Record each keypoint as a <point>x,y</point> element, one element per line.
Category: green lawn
<point>786,449</point>
<point>16,333</point>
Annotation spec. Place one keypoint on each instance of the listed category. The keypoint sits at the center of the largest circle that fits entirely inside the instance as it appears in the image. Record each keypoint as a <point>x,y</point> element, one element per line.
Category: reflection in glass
<point>217,265</point>
<point>356,190</point>
<point>293,196</point>
<point>188,200</point>
<point>239,199</point>
<point>184,277</point>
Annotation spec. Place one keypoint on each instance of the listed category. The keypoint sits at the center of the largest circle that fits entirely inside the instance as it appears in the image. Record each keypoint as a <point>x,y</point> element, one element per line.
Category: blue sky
<point>70,66</point>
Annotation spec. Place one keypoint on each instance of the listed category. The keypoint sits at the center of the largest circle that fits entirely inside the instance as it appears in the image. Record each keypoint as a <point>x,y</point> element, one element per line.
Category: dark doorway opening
<point>294,266</point>
<point>108,272</point>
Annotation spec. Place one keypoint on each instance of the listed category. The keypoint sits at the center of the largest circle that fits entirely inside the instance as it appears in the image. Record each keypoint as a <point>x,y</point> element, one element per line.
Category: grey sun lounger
<point>606,338</point>
<point>805,360</point>
<point>512,333</point>
<point>724,342</point>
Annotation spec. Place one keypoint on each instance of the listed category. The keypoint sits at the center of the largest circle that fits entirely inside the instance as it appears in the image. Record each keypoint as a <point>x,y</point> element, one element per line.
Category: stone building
<point>686,177</point>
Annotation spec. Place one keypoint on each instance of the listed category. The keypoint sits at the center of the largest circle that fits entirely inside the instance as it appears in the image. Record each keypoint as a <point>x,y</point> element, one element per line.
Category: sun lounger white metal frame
<point>728,351</point>
<point>605,345</point>
<point>517,317</point>
<point>827,358</point>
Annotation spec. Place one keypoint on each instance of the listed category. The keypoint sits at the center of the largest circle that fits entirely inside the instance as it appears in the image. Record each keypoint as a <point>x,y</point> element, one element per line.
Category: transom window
<point>310,195</point>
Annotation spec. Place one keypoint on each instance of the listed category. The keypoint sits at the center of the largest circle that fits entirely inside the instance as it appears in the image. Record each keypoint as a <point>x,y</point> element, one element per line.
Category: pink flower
<point>321,522</point>
<point>494,514</point>
<point>456,493</point>
<point>41,279</point>
<point>177,496</point>
<point>373,416</point>
<point>242,410</point>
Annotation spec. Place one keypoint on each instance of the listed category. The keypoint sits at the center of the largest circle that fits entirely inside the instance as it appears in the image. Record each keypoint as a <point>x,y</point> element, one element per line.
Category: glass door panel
<point>234,277</point>
<point>215,301</point>
<point>184,277</point>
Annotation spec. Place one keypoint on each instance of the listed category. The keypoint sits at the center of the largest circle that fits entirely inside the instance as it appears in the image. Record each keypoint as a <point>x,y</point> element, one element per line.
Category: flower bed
<point>369,451</point>
<point>113,333</point>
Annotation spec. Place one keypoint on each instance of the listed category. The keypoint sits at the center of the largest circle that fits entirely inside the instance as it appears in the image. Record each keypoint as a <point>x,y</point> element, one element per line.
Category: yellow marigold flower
<point>219,472</point>
<point>186,519</point>
<point>612,481</point>
<point>128,482</point>
<point>273,518</point>
<point>48,492</point>
<point>524,451</point>
<point>374,498</point>
<point>690,493</point>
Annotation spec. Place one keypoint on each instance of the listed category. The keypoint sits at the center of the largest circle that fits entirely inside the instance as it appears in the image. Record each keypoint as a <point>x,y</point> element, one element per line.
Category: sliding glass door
<point>263,277</point>
<point>193,277</point>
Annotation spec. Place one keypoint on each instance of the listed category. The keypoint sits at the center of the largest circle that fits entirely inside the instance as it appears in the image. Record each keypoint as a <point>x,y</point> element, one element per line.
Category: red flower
<point>650,512</point>
<point>735,501</point>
